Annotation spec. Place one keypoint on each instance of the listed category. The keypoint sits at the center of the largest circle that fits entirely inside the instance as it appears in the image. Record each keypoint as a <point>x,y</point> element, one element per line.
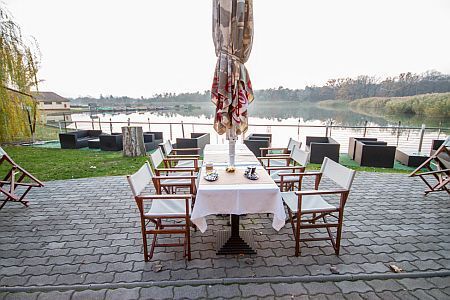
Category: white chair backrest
<point>300,156</point>
<point>167,147</point>
<point>338,173</point>
<point>447,142</point>
<point>139,180</point>
<point>293,143</point>
<point>156,158</point>
<point>2,152</point>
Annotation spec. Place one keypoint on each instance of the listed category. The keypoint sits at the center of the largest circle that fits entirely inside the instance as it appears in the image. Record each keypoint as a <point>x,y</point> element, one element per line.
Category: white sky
<point>138,48</point>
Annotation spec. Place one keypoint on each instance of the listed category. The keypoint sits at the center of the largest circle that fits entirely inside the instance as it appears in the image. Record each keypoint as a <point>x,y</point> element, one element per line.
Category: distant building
<point>50,101</point>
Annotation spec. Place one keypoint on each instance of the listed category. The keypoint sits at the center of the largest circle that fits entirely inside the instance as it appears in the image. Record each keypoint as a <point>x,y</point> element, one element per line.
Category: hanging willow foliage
<point>18,70</point>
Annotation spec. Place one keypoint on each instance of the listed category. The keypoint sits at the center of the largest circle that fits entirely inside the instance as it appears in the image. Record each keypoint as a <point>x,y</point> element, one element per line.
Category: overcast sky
<point>139,48</point>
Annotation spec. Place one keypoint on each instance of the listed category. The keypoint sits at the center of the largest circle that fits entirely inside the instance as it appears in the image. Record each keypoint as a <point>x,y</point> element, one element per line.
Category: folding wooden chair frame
<point>10,180</point>
<point>310,223</point>
<point>441,174</point>
<point>298,222</point>
<point>171,160</point>
<point>292,166</point>
<point>160,227</point>
<point>157,220</point>
<point>285,151</point>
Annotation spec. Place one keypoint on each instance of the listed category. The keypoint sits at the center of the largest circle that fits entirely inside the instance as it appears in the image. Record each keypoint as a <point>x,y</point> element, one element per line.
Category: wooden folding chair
<point>284,175</point>
<point>174,177</point>
<point>301,204</point>
<point>175,159</point>
<point>285,151</point>
<point>17,182</point>
<point>162,209</point>
<point>438,166</point>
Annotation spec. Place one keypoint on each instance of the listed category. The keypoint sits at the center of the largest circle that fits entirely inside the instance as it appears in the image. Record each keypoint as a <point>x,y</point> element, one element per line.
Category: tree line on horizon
<point>363,86</point>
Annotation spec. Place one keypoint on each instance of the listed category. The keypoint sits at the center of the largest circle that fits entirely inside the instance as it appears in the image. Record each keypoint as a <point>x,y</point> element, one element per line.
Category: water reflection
<point>306,113</point>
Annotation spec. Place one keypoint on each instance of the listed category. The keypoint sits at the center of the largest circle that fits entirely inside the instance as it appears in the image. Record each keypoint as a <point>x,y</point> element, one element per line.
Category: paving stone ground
<point>86,231</point>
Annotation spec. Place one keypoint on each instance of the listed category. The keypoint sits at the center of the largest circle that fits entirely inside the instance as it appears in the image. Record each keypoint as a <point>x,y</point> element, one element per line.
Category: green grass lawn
<point>54,164</point>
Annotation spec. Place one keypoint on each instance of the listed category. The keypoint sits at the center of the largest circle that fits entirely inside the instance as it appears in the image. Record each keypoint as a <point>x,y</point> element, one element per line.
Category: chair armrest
<point>164,197</point>
<point>175,177</point>
<point>274,148</point>
<point>274,157</point>
<point>290,174</point>
<point>180,158</point>
<point>158,170</point>
<point>320,192</point>
<point>287,168</point>
<point>185,149</point>
<point>193,156</point>
<point>278,154</point>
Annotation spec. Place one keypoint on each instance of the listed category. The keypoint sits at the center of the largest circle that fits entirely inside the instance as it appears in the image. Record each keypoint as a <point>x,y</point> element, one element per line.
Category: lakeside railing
<point>417,139</point>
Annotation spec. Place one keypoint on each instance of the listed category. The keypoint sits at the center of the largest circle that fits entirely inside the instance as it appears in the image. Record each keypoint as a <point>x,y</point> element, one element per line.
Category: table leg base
<point>242,244</point>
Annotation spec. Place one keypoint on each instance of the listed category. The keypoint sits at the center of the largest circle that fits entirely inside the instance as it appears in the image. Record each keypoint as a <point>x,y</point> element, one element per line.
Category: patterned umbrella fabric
<point>232,90</point>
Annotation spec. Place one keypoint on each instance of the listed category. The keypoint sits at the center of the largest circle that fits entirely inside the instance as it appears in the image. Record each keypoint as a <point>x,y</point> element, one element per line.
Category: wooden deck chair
<point>301,204</point>
<point>285,175</point>
<point>174,158</point>
<point>285,151</point>
<point>17,182</point>
<point>162,208</point>
<point>174,178</point>
<point>438,169</point>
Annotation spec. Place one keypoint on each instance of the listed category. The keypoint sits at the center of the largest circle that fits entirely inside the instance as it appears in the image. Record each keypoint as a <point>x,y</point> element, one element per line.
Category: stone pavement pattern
<point>86,231</point>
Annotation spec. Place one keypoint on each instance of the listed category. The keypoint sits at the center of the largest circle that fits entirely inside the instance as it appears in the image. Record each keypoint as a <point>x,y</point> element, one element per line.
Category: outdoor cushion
<point>310,203</point>
<point>170,207</point>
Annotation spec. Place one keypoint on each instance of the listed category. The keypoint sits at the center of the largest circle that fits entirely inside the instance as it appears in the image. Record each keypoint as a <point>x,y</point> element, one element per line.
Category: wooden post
<point>365,128</point>
<point>422,133</point>
<point>133,141</point>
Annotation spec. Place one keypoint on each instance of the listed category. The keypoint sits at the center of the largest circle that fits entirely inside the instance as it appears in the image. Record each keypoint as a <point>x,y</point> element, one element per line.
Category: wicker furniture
<point>374,154</point>
<point>435,144</point>
<point>255,142</point>
<point>111,142</point>
<point>197,140</point>
<point>308,207</point>
<point>410,158</point>
<point>78,139</point>
<point>94,144</point>
<point>152,139</point>
<point>352,144</point>
<point>321,147</point>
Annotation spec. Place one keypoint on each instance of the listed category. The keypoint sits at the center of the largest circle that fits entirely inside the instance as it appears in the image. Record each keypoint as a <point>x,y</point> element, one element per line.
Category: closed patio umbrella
<point>232,90</point>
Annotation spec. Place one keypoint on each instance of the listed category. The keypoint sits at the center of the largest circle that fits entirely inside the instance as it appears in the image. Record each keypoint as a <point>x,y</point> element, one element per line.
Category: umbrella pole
<point>232,138</point>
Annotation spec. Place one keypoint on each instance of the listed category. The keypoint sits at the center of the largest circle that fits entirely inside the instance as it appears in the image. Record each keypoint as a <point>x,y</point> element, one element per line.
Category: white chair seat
<point>275,162</point>
<point>188,164</point>
<point>276,177</point>
<point>310,203</point>
<point>169,207</point>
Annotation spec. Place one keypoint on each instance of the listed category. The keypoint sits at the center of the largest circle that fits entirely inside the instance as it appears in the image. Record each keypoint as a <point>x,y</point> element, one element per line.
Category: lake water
<point>279,119</point>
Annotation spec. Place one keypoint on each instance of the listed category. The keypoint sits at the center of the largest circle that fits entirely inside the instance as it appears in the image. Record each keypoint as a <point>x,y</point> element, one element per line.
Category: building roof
<point>48,97</point>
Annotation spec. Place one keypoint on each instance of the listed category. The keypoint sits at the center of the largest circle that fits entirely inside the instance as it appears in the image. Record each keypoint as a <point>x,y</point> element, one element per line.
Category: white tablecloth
<point>248,197</point>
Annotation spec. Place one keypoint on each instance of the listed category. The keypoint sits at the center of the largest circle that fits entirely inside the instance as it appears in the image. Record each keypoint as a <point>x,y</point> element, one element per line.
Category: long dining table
<point>234,194</point>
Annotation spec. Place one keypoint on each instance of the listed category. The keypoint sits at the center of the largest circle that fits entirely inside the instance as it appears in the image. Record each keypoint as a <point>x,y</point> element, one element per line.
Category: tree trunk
<point>133,141</point>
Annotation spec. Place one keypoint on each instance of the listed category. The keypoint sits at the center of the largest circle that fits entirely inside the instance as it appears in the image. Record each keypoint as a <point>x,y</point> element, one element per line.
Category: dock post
<point>398,131</point>
<point>422,133</point>
<point>365,128</point>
